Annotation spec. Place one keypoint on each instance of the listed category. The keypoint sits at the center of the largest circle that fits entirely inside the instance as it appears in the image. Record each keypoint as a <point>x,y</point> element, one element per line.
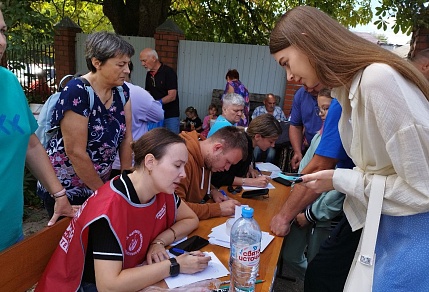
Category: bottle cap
<point>247,212</point>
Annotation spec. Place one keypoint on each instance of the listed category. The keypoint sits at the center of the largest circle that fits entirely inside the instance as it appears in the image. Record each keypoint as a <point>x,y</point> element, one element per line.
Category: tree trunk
<point>136,17</point>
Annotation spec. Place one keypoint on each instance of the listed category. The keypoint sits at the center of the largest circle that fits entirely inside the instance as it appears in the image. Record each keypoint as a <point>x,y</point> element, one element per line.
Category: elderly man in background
<point>232,110</point>
<point>161,82</point>
<point>269,107</point>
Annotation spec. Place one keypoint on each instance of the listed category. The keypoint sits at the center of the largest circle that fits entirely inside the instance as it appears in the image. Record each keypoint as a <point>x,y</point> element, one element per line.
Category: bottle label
<point>247,255</point>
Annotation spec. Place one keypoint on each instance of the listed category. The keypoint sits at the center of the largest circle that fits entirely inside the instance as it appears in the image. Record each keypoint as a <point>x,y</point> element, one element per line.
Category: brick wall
<point>291,88</point>
<point>167,37</point>
<point>64,46</point>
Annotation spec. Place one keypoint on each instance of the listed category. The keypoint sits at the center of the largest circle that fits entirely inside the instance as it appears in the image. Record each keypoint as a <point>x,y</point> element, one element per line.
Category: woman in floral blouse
<point>83,150</point>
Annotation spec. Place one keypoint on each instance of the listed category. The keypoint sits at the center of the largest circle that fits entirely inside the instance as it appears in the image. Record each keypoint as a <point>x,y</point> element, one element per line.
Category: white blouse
<point>384,128</point>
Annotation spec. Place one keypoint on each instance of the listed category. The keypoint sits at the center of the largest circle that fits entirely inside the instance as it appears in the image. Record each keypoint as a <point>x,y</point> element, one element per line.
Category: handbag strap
<point>370,231</point>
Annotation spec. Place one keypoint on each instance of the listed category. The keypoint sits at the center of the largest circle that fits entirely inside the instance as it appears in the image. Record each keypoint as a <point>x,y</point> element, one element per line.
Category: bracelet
<point>59,194</point>
<point>159,241</point>
<point>174,233</point>
<point>242,181</point>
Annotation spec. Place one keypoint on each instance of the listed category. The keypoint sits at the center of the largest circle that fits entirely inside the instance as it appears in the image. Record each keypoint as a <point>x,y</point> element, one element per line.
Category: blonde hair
<point>339,59</point>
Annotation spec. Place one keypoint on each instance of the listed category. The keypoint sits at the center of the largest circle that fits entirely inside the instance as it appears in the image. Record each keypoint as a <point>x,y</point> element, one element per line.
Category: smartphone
<point>254,193</point>
<point>191,244</point>
<point>291,176</point>
<point>283,181</point>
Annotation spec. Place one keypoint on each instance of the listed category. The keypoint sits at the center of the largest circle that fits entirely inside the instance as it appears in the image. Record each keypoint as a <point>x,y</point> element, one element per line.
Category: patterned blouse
<point>240,89</point>
<point>106,130</point>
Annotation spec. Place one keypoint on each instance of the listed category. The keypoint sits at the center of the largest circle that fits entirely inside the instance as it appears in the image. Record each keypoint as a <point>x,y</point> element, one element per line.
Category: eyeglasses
<point>321,111</point>
<point>153,80</point>
<point>235,190</point>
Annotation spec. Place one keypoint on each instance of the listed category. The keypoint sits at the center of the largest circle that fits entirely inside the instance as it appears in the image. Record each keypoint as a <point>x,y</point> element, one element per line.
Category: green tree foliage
<point>25,24</point>
<point>89,16</point>
<point>409,15</point>
<point>250,22</point>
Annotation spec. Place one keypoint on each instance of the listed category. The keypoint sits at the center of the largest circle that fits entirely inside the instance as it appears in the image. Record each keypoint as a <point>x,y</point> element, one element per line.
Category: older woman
<point>110,226</point>
<point>234,85</point>
<point>232,110</point>
<point>83,150</point>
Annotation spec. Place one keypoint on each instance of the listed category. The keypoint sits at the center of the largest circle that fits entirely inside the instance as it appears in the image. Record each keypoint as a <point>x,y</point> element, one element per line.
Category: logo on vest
<point>134,243</point>
<point>161,212</point>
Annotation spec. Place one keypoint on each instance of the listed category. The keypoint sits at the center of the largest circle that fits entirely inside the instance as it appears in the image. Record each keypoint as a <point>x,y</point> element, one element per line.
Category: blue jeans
<point>271,154</point>
<point>173,124</point>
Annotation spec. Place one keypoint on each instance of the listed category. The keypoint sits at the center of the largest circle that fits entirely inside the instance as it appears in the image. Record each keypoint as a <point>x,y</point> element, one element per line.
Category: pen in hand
<point>223,194</point>
<point>259,171</point>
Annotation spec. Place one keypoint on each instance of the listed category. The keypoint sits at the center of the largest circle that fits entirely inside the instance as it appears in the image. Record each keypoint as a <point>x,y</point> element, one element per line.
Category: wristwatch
<point>174,267</point>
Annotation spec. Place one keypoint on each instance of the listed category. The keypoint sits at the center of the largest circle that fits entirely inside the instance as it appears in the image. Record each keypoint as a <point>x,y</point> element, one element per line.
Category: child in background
<point>206,123</point>
<point>192,121</point>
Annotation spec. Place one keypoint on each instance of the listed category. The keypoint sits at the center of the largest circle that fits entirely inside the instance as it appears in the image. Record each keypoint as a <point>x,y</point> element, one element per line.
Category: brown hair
<point>325,92</point>
<point>265,125</point>
<point>232,74</point>
<point>154,142</point>
<point>336,62</point>
<point>191,109</point>
<point>231,138</point>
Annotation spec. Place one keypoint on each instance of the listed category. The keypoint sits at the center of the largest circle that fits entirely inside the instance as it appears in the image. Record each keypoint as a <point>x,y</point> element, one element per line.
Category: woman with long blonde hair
<point>384,128</point>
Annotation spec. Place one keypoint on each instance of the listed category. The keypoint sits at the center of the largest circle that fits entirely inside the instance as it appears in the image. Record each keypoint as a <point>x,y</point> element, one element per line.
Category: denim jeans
<point>173,124</point>
<point>271,154</point>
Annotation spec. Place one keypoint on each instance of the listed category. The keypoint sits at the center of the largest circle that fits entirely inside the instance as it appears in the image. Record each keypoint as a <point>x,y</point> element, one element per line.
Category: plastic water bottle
<point>245,252</point>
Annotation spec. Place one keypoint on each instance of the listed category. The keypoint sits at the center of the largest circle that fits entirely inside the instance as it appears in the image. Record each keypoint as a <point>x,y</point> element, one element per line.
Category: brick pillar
<point>291,88</point>
<point>167,37</point>
<point>64,47</point>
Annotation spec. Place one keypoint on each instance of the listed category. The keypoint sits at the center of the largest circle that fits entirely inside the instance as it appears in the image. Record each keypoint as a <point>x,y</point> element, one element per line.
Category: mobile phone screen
<point>290,176</point>
<point>191,244</point>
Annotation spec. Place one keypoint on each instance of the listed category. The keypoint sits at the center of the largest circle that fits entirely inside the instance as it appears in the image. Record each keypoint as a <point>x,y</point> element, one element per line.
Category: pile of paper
<point>219,236</point>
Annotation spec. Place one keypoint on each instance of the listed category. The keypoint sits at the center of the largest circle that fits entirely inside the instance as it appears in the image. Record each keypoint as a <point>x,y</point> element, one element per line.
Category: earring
<point>150,171</point>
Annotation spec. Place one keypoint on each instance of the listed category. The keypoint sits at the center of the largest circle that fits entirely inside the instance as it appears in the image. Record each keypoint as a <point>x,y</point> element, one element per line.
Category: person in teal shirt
<point>232,111</point>
<point>19,145</point>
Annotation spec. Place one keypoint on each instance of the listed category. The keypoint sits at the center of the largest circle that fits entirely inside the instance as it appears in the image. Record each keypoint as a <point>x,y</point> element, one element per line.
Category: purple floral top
<point>106,130</point>
<point>240,89</point>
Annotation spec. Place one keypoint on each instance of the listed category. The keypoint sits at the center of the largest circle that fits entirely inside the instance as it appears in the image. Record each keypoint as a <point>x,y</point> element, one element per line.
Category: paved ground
<point>283,285</point>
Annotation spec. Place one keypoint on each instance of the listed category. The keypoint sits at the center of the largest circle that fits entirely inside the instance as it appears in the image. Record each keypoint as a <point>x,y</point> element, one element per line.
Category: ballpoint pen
<point>259,171</point>
<point>223,193</point>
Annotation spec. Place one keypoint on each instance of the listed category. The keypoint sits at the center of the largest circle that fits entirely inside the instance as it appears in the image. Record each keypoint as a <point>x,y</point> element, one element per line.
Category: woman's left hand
<point>320,181</point>
<point>156,253</point>
<point>62,207</point>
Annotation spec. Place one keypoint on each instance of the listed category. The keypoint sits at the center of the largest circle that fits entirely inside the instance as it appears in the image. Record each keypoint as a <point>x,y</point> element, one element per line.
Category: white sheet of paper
<point>267,166</point>
<point>220,237</point>
<point>238,211</point>
<point>215,269</point>
<point>248,188</point>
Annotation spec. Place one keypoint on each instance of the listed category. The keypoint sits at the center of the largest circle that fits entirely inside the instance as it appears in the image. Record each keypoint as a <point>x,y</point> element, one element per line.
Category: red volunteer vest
<point>134,225</point>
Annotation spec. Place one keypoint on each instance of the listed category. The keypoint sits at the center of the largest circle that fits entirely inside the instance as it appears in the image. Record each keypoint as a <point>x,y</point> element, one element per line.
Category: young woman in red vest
<point>117,239</point>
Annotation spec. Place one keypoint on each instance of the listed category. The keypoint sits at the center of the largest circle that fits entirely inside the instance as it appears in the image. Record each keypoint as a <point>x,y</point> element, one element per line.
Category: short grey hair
<point>104,45</point>
<point>232,99</point>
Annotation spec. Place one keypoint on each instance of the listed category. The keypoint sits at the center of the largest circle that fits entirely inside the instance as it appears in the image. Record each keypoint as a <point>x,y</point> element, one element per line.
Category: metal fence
<point>33,65</point>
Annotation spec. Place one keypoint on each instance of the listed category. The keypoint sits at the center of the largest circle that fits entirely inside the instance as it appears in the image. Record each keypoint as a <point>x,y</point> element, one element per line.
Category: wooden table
<point>265,209</point>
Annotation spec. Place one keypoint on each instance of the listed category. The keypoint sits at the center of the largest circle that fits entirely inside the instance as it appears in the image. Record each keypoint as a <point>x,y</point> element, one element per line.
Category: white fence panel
<point>202,67</point>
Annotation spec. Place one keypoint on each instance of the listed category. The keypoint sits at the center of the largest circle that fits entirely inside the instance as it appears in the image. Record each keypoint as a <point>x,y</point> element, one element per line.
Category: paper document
<point>249,188</point>
<point>267,166</point>
<point>215,269</point>
<point>219,236</point>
